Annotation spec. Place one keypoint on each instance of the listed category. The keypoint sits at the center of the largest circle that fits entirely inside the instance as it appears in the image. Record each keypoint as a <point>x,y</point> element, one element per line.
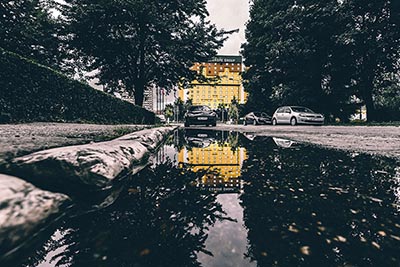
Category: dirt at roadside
<point>21,139</point>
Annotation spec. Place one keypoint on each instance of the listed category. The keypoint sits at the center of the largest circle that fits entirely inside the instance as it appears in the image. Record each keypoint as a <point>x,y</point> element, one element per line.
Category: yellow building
<point>223,164</point>
<point>227,70</point>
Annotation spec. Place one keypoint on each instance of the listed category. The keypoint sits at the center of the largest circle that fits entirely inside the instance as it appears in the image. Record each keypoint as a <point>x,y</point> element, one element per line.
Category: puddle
<point>224,199</point>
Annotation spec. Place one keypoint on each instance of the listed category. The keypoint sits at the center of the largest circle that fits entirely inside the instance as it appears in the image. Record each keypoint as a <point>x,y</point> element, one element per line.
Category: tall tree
<point>135,43</point>
<point>285,64</point>
<point>320,53</point>
<point>373,32</point>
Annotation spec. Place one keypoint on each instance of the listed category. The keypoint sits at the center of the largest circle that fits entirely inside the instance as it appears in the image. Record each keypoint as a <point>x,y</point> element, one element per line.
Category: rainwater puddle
<point>218,199</point>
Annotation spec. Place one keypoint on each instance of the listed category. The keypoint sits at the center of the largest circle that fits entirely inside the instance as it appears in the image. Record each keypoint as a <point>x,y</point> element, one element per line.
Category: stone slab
<point>91,167</point>
<point>24,210</point>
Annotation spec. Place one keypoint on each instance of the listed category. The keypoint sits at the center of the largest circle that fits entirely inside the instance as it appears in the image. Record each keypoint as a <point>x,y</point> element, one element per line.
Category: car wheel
<point>293,121</point>
<point>254,122</point>
<point>274,122</point>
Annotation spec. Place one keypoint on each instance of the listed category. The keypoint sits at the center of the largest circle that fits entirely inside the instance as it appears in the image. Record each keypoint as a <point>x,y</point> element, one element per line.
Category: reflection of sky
<point>52,257</point>
<point>166,152</point>
<point>227,240</point>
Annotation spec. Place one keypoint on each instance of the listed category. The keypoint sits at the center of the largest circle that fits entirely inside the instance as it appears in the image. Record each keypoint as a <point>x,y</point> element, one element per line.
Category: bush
<point>31,92</point>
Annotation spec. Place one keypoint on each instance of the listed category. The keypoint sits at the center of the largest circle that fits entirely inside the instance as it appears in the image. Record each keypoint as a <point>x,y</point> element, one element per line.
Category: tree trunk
<point>371,112</point>
<point>139,93</point>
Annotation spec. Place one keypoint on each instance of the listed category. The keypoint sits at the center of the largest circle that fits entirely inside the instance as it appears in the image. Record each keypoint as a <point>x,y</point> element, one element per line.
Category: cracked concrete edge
<point>25,211</point>
<point>89,167</point>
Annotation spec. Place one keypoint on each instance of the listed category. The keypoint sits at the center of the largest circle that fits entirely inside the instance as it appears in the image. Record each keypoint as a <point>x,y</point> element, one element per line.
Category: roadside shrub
<point>31,92</point>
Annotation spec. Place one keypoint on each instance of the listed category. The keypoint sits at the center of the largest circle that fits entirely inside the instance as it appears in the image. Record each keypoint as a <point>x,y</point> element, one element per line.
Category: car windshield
<point>302,109</point>
<point>260,114</point>
<point>199,108</point>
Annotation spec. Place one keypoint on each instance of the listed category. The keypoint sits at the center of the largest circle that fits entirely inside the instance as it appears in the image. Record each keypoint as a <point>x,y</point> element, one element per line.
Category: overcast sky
<point>229,15</point>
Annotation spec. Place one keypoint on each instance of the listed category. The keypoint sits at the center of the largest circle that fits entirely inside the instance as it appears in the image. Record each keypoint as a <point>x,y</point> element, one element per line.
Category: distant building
<point>227,70</point>
<point>148,98</point>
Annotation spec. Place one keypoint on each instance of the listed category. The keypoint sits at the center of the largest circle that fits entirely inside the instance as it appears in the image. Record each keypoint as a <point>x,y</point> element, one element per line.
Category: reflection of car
<point>200,115</point>
<point>285,143</point>
<point>250,136</point>
<point>198,138</point>
<point>256,118</point>
<point>296,115</point>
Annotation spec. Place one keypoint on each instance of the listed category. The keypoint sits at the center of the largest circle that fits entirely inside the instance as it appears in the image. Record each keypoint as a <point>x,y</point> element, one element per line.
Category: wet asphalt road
<point>376,140</point>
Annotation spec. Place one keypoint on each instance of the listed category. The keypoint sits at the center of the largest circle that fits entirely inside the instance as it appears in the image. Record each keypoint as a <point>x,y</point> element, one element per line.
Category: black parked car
<point>200,115</point>
<point>256,118</point>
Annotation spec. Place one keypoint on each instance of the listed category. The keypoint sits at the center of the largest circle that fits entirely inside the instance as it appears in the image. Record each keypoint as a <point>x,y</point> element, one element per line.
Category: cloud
<point>229,15</point>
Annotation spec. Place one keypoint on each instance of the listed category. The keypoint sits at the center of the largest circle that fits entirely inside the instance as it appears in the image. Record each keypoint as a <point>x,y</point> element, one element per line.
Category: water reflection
<point>313,207</point>
<point>219,154</point>
<point>284,143</point>
<point>161,220</point>
<point>283,204</point>
<point>396,188</point>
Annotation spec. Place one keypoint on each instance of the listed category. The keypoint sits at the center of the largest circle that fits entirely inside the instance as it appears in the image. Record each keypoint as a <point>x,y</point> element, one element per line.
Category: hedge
<point>31,92</point>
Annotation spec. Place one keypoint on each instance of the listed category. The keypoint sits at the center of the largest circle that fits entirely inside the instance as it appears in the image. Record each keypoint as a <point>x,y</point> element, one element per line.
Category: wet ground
<point>225,199</point>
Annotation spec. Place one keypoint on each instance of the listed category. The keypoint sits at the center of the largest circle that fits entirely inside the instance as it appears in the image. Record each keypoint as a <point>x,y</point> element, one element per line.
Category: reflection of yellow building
<point>227,70</point>
<point>223,164</point>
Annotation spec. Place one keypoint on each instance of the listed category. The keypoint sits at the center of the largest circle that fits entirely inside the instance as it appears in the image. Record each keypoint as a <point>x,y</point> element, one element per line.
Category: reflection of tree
<point>233,141</point>
<point>313,207</point>
<point>161,221</point>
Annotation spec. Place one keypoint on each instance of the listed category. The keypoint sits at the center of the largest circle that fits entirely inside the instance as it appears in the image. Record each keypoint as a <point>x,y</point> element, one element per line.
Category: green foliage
<point>319,54</point>
<point>387,103</point>
<point>31,92</point>
<point>233,111</point>
<point>182,107</point>
<point>136,43</point>
<point>27,28</point>
<point>169,111</point>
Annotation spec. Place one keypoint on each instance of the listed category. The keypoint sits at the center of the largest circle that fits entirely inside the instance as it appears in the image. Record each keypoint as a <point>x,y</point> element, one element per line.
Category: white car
<point>294,115</point>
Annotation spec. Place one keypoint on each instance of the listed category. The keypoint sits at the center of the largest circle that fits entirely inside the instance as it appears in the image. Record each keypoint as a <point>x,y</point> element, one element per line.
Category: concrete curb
<point>94,172</point>
<point>78,170</point>
<point>24,211</point>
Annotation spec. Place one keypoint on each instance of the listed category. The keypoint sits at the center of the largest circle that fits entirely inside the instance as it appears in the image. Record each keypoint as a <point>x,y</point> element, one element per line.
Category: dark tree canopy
<point>320,54</point>
<point>27,28</point>
<point>137,43</point>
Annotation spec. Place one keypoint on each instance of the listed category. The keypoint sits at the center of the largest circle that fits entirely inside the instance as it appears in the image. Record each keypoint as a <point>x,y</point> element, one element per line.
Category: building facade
<point>226,84</point>
<point>223,164</point>
<point>148,98</point>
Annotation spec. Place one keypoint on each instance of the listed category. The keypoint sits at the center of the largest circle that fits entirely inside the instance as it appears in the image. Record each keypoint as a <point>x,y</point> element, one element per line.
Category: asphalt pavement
<point>376,140</point>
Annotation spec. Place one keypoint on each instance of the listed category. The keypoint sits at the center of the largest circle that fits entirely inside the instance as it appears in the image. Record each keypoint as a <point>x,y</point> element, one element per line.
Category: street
<point>377,140</point>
